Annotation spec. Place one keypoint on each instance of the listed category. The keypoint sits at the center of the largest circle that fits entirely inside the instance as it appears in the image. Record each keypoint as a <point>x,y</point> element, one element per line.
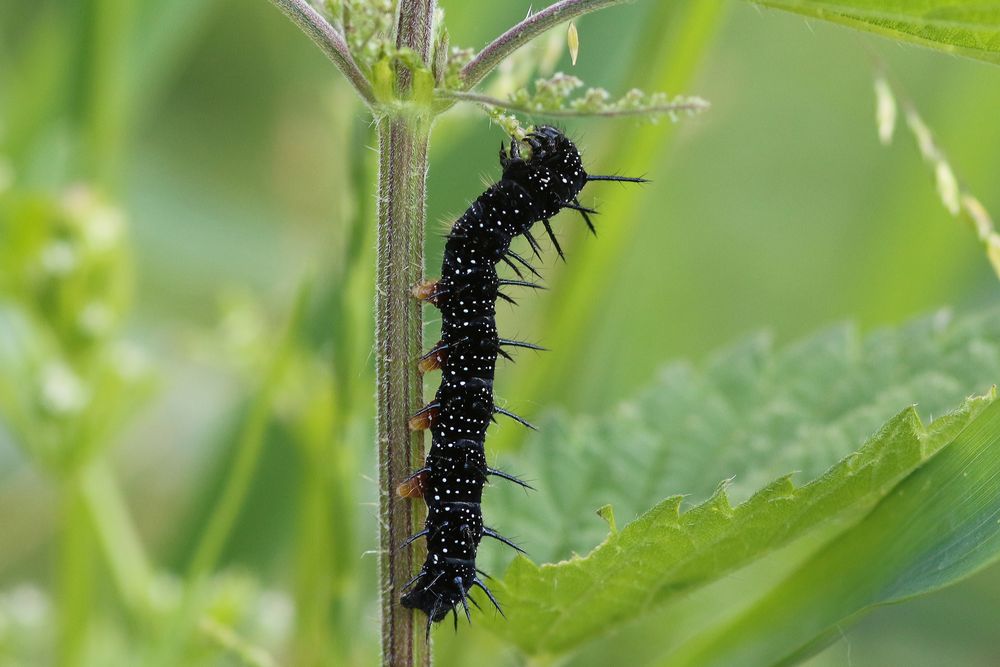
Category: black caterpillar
<point>531,190</point>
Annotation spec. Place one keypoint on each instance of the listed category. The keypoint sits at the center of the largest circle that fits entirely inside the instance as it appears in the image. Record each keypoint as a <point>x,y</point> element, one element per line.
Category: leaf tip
<point>607,512</point>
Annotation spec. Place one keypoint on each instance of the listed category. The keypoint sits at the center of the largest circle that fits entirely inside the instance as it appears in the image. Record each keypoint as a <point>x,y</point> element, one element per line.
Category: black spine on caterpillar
<point>455,471</point>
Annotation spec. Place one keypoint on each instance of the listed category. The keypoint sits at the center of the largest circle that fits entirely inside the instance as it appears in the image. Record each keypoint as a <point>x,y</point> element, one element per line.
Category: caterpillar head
<point>438,595</point>
<point>548,147</point>
<point>553,174</point>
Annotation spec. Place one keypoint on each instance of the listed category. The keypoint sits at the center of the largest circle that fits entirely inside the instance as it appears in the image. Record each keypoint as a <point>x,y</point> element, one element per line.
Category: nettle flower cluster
<point>67,378</point>
<point>565,95</point>
<point>366,27</point>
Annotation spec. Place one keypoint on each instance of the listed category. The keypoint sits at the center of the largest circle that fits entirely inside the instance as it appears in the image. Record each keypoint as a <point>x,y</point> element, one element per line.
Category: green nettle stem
<point>404,133</point>
<point>398,342</point>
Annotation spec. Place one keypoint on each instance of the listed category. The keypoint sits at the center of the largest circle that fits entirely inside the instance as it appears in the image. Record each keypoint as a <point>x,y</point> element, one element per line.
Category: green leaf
<point>753,413</point>
<point>666,553</point>
<point>937,526</point>
<point>965,27</point>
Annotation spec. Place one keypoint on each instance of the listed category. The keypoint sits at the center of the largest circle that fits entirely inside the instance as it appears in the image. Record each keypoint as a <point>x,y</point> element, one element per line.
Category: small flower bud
<point>573,42</point>
<point>62,391</point>
<point>58,258</point>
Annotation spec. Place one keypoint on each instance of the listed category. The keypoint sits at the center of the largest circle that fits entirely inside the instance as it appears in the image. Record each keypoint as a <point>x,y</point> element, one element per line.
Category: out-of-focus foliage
<point>234,162</point>
<point>66,380</point>
<point>953,196</point>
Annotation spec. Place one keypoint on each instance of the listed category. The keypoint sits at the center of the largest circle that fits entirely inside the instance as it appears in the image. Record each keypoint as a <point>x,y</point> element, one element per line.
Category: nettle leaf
<point>753,414</point>
<point>967,27</point>
<point>937,526</point>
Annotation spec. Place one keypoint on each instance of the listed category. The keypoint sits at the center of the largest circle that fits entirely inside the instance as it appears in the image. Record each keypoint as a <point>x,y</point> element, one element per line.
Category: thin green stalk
<point>343,565</point>
<point>241,473</point>
<point>122,549</point>
<point>313,575</point>
<point>248,451</point>
<point>104,100</point>
<point>324,578</point>
<point>239,648</point>
<point>77,553</point>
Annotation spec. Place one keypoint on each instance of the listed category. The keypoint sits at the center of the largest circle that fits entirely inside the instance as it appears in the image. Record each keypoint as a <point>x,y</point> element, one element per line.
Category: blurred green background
<point>238,166</point>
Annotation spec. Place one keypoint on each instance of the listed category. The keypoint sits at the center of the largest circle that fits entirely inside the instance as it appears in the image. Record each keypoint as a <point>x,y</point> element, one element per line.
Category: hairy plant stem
<point>398,342</point>
<point>403,139</point>
<point>690,105</point>
<point>525,31</point>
